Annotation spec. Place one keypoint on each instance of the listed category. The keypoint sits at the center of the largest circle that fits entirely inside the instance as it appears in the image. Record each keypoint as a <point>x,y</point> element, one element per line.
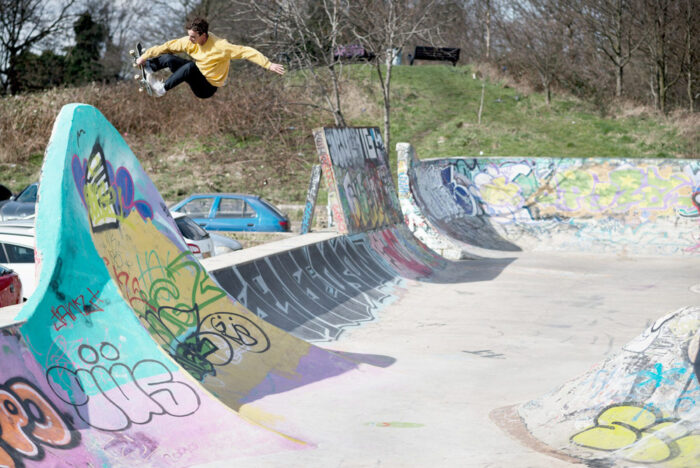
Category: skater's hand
<point>277,68</point>
<point>140,61</point>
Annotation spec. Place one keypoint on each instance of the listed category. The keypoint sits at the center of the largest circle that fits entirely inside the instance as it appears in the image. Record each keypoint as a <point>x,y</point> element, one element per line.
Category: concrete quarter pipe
<point>637,206</point>
<point>130,354</point>
<point>128,347</point>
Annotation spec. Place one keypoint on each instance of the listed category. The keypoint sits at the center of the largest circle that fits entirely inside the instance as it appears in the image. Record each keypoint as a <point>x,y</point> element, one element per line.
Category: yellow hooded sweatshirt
<point>212,58</point>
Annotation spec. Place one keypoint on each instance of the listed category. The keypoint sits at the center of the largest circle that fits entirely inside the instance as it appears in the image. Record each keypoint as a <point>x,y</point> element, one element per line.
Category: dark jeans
<point>183,70</point>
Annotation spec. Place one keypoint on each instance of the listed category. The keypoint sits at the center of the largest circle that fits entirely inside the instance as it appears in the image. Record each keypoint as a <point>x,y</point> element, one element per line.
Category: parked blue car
<point>233,212</point>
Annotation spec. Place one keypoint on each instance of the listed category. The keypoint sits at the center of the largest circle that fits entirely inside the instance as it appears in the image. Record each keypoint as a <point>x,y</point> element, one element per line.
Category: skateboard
<point>141,77</point>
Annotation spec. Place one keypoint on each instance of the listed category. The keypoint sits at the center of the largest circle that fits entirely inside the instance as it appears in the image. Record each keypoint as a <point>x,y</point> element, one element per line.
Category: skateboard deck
<point>141,77</point>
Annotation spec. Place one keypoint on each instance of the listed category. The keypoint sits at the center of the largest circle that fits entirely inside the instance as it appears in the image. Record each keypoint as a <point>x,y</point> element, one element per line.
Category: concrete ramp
<point>129,347</point>
<point>317,291</point>
<point>131,354</point>
<point>621,206</point>
<point>640,406</point>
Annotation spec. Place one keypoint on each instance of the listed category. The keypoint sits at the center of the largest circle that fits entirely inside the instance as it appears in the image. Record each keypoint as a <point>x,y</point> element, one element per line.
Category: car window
<point>197,208</point>
<point>234,208</point>
<point>3,256</point>
<point>190,230</point>
<point>19,254</point>
<point>28,194</point>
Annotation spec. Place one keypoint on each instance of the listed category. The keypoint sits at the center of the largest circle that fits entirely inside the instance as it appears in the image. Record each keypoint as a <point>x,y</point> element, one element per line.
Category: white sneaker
<point>156,85</point>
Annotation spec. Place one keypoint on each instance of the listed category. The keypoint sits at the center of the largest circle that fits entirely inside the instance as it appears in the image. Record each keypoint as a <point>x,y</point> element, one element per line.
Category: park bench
<point>448,54</point>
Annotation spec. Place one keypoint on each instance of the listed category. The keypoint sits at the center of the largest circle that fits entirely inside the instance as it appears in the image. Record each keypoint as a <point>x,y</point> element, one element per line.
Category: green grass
<point>435,108</point>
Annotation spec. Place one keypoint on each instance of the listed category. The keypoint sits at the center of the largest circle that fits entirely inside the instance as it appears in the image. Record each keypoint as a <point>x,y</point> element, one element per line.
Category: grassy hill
<point>250,138</point>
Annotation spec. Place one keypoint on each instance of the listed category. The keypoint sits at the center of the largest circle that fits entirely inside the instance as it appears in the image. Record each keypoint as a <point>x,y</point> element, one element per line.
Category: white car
<point>197,239</point>
<point>17,252</point>
<point>223,244</point>
<point>17,246</point>
<point>188,228</point>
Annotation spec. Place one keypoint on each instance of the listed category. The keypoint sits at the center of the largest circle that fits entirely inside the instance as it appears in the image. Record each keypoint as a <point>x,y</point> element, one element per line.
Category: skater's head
<point>198,30</point>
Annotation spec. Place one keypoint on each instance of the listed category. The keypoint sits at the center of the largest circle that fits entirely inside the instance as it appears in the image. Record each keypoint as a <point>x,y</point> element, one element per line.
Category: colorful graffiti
<point>643,206</point>
<point>337,216</point>
<point>356,165</point>
<point>208,333</point>
<point>311,196</point>
<point>83,382</point>
<point>28,422</point>
<point>106,202</point>
<point>417,223</point>
<point>641,435</point>
<point>576,188</point>
<point>641,404</point>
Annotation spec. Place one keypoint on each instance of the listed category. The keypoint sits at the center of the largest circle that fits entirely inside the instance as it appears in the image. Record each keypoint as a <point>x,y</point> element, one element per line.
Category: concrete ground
<point>482,335</point>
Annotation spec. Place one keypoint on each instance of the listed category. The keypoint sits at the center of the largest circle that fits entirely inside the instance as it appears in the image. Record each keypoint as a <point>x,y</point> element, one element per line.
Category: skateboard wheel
<point>137,77</point>
<point>132,51</point>
<point>140,90</point>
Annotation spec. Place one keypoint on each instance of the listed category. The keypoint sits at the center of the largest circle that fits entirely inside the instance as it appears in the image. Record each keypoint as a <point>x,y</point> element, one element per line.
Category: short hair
<point>198,25</point>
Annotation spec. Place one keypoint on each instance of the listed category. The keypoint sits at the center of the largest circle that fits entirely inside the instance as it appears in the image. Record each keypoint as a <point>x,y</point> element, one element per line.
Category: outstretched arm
<point>171,47</point>
<point>237,52</point>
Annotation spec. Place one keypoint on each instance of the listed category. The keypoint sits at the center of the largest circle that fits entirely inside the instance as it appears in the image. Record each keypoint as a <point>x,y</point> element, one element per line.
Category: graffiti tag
<point>75,307</point>
<point>28,420</point>
<point>120,395</point>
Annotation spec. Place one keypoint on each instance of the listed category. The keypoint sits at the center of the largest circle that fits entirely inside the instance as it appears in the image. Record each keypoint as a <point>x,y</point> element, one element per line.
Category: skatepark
<point>511,312</point>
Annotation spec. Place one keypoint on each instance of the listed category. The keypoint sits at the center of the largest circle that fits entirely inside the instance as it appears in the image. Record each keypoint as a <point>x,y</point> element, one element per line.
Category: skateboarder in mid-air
<point>209,70</point>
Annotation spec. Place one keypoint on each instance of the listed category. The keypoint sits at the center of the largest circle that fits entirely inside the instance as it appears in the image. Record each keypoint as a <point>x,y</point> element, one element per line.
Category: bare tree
<point>612,25</point>
<point>123,23</point>
<point>691,40</point>
<point>660,19</point>
<point>23,25</point>
<point>385,27</point>
<point>536,40</point>
<point>306,34</point>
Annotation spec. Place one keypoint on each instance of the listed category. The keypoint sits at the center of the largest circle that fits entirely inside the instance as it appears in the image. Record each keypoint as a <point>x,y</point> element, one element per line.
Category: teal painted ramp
<point>129,354</point>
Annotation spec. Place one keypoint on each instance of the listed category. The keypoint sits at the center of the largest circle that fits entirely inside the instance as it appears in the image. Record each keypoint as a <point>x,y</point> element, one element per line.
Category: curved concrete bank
<point>317,291</point>
<point>632,206</point>
<point>83,382</point>
<point>638,406</point>
<point>131,354</point>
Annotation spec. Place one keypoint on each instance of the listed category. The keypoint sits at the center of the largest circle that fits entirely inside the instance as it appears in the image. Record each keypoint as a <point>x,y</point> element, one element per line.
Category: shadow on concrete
<point>376,360</point>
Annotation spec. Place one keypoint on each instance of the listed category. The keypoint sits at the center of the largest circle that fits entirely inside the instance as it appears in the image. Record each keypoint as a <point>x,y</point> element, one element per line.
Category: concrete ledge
<point>8,314</point>
<point>253,253</point>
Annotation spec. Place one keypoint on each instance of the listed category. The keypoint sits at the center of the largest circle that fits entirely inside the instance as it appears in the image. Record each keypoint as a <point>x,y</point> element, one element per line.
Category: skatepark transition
<point>635,206</point>
<point>638,406</point>
<point>130,353</point>
<point>128,345</point>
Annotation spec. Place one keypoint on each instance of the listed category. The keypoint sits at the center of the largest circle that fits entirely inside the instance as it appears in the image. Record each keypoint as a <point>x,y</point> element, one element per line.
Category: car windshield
<point>190,229</point>
<point>28,195</point>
